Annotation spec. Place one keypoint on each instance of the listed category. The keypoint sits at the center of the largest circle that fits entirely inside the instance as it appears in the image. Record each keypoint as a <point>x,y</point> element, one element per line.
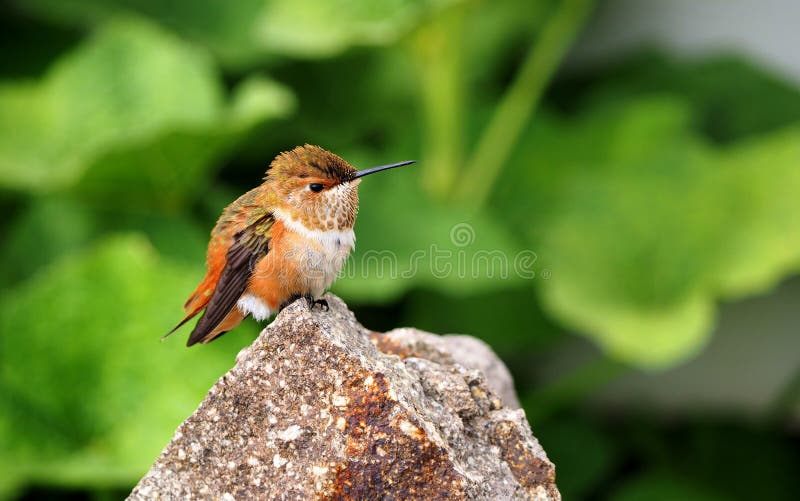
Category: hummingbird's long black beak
<point>373,170</point>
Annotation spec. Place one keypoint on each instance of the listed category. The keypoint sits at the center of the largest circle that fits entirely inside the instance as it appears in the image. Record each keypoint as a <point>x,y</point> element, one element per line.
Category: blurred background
<point>644,157</point>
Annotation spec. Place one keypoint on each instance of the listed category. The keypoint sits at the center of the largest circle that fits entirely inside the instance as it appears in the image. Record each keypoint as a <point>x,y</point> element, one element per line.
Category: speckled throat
<point>334,209</point>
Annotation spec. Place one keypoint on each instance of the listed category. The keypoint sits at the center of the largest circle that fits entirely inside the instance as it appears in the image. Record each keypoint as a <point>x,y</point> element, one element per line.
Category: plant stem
<point>520,101</point>
<point>439,51</point>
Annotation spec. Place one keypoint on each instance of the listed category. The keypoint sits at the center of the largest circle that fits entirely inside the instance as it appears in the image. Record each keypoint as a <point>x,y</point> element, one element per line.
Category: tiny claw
<point>323,304</point>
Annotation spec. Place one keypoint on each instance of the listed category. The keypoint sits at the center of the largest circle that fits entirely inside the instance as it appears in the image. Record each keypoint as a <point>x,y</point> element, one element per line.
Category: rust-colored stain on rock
<point>376,440</point>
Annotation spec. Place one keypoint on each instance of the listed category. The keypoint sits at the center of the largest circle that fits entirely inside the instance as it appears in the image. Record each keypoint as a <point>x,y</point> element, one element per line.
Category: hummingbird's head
<point>316,187</point>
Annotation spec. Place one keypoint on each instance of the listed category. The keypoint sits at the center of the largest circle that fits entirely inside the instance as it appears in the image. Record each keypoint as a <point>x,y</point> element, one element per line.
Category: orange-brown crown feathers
<point>310,161</point>
<point>314,187</point>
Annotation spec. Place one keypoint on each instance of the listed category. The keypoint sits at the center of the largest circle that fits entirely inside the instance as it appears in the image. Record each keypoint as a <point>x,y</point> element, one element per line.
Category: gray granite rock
<point>318,407</point>
<point>449,349</point>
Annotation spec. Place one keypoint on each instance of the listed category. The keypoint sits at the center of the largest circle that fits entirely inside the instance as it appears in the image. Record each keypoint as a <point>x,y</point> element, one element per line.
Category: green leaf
<point>240,32</point>
<point>89,395</point>
<point>133,110</point>
<point>320,28</point>
<point>644,225</point>
<point>167,171</point>
<point>761,182</point>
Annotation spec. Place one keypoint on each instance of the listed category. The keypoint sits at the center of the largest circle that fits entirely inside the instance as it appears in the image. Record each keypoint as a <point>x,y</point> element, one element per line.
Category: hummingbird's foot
<point>313,302</point>
<point>323,304</point>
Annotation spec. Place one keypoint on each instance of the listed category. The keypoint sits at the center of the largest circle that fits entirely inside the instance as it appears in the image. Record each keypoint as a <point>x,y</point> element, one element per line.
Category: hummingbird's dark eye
<point>315,187</point>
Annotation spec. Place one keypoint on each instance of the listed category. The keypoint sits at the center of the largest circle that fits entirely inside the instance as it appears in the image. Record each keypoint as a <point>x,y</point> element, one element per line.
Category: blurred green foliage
<point>101,405</point>
<point>648,191</point>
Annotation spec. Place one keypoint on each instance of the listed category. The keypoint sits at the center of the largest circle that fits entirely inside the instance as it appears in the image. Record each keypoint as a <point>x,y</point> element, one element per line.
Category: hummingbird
<point>281,241</point>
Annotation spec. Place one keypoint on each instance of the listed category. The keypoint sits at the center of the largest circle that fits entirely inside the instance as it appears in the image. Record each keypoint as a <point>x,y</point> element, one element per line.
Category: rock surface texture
<point>318,407</point>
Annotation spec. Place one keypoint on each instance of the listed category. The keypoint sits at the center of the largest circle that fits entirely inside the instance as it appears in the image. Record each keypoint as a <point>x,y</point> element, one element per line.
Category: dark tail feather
<point>180,324</point>
<point>205,331</point>
<point>202,329</point>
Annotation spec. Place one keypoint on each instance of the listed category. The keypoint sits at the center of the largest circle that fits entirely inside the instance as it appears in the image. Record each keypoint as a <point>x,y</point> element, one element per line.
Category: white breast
<point>323,256</point>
